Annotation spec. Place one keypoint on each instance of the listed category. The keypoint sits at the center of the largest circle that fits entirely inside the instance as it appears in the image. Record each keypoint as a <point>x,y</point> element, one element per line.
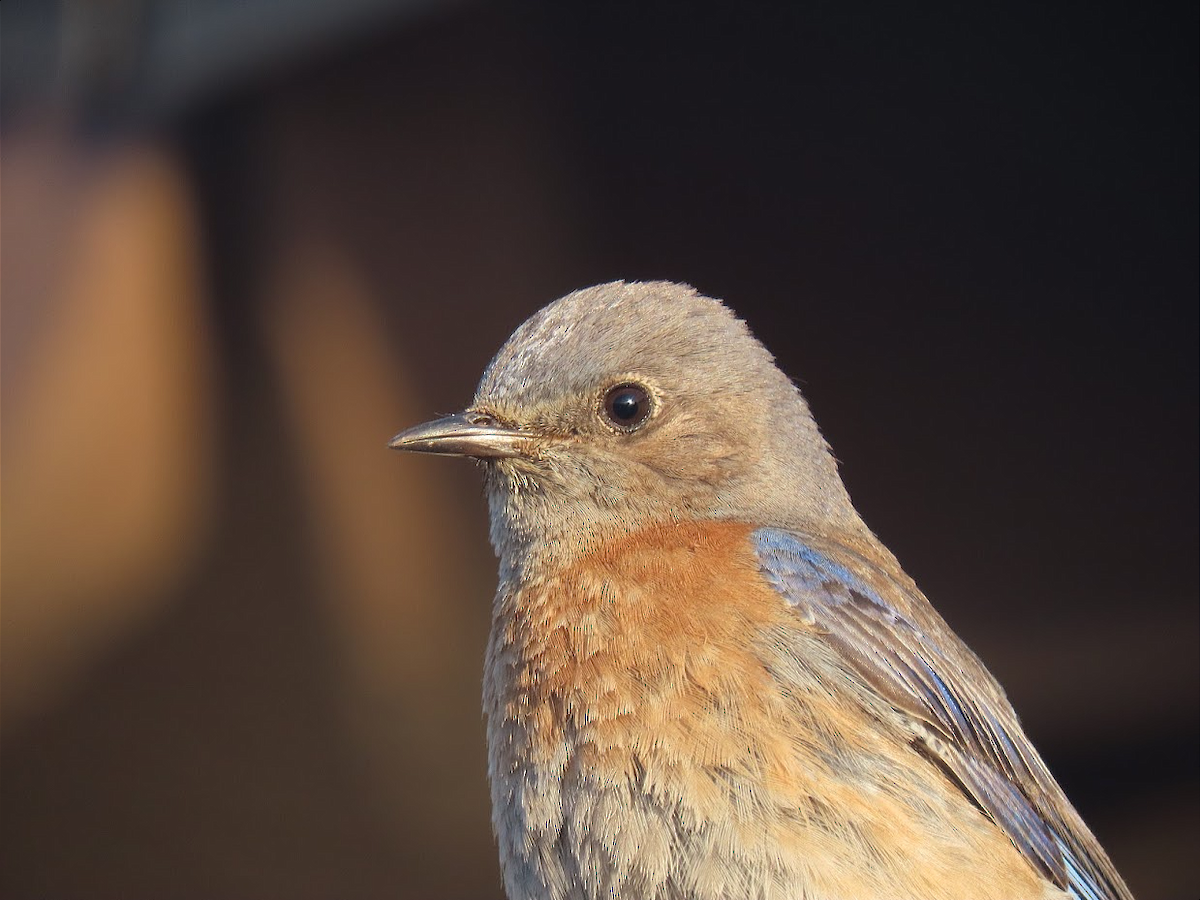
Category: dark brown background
<point>242,641</point>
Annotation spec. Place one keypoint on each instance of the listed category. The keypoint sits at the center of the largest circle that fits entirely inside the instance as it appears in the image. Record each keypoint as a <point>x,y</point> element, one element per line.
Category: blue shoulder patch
<point>914,673</point>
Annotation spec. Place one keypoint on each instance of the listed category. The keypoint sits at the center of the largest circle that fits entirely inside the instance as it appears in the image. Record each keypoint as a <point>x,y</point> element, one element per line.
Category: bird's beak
<point>464,434</point>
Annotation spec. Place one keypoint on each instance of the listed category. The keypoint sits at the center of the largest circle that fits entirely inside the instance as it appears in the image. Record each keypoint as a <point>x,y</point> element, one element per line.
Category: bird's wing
<point>961,719</point>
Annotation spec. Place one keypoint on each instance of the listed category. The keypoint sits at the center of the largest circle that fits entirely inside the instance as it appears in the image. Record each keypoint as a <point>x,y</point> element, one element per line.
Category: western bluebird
<point>706,677</point>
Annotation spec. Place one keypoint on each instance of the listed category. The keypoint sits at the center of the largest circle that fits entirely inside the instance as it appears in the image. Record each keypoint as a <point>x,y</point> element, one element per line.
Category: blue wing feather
<point>970,728</point>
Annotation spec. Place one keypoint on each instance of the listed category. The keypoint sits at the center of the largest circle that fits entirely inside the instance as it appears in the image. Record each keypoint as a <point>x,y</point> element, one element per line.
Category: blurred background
<point>246,241</point>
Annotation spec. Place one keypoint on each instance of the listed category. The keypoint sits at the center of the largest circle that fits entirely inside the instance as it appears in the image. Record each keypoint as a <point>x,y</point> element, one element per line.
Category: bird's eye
<point>627,406</point>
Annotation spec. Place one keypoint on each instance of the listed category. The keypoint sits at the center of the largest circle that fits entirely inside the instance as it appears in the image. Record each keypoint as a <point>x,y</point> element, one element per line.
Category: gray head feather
<point>730,437</point>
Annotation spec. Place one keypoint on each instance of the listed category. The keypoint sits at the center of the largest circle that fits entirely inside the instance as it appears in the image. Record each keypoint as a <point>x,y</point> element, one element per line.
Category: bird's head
<point>632,404</point>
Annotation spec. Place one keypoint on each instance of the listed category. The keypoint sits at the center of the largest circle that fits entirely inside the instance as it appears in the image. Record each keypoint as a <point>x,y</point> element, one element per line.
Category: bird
<point>706,677</point>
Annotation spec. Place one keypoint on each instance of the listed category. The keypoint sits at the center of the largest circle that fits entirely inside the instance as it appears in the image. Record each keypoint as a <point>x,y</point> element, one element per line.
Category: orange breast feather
<point>638,721</point>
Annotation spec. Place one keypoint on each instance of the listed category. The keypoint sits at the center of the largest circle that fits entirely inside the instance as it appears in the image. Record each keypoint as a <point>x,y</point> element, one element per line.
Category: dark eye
<point>627,406</point>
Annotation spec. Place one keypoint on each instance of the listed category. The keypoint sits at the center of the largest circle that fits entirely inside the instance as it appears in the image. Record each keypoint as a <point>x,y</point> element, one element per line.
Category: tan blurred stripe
<point>390,547</point>
<point>108,419</point>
